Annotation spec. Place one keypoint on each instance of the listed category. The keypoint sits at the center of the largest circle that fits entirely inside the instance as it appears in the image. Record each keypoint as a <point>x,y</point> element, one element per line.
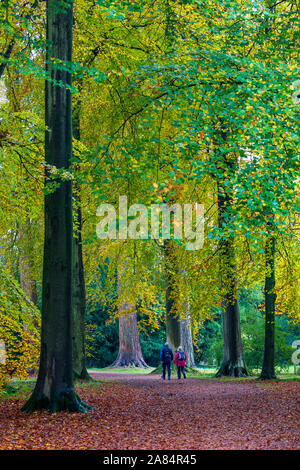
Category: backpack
<point>167,355</point>
<point>181,356</point>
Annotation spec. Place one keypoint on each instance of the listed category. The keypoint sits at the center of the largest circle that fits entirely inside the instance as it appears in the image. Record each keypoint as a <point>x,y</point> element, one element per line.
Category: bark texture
<point>79,306</point>
<point>268,368</point>
<point>172,315</point>
<point>54,387</point>
<point>79,294</point>
<point>233,362</point>
<point>187,340</point>
<point>130,352</point>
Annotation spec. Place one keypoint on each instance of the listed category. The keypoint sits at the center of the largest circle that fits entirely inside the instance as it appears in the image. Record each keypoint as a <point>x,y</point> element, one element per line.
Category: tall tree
<point>79,294</point>
<point>54,387</point>
<point>187,339</point>
<point>268,368</point>
<point>233,362</point>
<point>172,315</point>
<point>79,304</point>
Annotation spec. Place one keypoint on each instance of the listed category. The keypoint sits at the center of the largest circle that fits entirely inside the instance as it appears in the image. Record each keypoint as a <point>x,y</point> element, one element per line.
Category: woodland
<point>169,102</point>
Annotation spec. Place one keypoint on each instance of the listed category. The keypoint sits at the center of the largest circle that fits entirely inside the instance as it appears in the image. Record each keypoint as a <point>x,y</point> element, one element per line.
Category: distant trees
<point>184,103</point>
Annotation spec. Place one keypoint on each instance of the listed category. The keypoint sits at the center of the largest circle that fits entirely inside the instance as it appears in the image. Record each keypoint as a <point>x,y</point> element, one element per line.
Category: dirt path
<point>144,412</point>
<point>210,414</point>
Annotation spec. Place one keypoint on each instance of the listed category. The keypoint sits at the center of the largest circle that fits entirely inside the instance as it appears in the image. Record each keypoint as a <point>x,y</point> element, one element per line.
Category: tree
<point>79,291</point>
<point>54,387</point>
<point>186,339</point>
<point>233,362</point>
<point>78,305</point>
<point>130,352</point>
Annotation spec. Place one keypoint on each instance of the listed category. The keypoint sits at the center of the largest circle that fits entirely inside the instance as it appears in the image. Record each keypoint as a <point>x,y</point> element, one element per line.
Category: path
<point>144,412</point>
<point>210,414</point>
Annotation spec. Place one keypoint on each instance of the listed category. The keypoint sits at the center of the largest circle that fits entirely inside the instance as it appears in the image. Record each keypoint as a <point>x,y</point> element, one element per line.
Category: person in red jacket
<point>179,360</point>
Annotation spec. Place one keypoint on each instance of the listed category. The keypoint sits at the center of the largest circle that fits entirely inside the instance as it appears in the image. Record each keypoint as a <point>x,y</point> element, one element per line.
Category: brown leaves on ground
<point>144,412</point>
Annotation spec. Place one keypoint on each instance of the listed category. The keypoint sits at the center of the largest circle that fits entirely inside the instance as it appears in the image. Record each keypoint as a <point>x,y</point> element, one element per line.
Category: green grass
<point>21,389</point>
<point>125,370</point>
<point>199,373</point>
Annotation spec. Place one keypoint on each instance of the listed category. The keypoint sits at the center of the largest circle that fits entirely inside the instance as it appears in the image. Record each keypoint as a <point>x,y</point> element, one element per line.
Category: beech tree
<point>54,387</point>
<point>186,340</point>
<point>130,352</point>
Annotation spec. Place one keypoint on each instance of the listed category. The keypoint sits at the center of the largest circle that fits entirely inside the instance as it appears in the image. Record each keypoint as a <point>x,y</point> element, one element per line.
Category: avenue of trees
<point>164,102</point>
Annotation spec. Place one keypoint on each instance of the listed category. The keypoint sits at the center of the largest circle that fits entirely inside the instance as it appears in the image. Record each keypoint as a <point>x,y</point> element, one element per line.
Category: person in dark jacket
<point>166,357</point>
<point>180,360</point>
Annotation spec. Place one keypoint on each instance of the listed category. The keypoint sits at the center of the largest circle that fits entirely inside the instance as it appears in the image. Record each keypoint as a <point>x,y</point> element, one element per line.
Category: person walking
<point>180,360</point>
<point>166,357</point>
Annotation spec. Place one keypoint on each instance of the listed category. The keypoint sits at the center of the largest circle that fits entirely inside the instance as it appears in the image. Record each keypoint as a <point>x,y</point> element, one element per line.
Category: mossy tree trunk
<point>79,304</point>
<point>268,368</point>
<point>54,389</point>
<point>79,294</point>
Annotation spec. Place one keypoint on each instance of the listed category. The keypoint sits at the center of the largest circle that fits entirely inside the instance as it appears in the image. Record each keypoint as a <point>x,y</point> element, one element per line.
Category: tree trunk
<point>233,362</point>
<point>187,340</point>
<point>79,295</point>
<point>79,306</point>
<point>54,389</point>
<point>130,352</point>
<point>268,369</point>
<point>172,315</point>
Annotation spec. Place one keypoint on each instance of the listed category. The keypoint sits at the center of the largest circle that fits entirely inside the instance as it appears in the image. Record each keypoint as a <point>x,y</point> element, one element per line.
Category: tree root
<point>232,370</point>
<point>65,401</point>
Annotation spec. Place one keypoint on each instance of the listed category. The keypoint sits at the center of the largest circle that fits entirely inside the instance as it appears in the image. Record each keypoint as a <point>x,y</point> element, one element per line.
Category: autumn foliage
<point>133,412</point>
<point>19,331</point>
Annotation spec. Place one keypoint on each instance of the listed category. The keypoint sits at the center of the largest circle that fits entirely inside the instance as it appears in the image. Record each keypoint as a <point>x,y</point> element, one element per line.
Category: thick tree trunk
<point>268,369</point>
<point>187,339</point>
<point>130,352</point>
<point>172,316</point>
<point>233,362</point>
<point>54,388</point>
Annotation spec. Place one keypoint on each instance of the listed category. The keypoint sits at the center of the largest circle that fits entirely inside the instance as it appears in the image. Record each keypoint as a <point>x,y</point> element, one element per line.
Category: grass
<point>201,373</point>
<point>20,389</point>
<point>125,370</point>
